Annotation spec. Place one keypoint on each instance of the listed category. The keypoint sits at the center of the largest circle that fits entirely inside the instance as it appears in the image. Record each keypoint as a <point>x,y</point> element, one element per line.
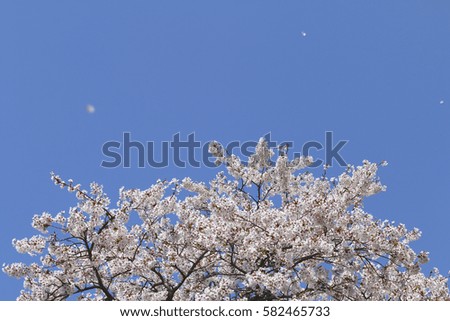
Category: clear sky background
<point>376,73</point>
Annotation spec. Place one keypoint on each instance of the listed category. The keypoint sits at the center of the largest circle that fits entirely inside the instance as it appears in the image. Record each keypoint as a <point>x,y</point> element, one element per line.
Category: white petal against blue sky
<point>90,108</point>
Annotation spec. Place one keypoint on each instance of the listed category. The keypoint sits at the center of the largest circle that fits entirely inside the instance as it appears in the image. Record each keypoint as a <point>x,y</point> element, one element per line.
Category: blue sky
<point>376,73</point>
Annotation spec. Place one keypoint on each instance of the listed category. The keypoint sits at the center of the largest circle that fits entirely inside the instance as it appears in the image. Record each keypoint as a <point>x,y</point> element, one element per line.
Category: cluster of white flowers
<point>269,230</point>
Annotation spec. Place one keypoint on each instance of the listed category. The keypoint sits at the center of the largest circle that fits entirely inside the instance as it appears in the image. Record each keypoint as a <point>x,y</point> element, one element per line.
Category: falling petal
<point>90,109</point>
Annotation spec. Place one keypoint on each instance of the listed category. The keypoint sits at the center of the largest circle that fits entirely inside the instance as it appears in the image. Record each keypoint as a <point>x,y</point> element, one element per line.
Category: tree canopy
<point>264,230</point>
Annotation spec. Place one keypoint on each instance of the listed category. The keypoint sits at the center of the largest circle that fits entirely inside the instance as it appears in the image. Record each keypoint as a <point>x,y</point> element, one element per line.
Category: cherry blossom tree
<point>266,230</point>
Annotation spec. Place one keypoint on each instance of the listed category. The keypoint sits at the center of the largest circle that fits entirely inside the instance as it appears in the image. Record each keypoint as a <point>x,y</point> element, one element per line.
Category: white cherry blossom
<point>268,230</point>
